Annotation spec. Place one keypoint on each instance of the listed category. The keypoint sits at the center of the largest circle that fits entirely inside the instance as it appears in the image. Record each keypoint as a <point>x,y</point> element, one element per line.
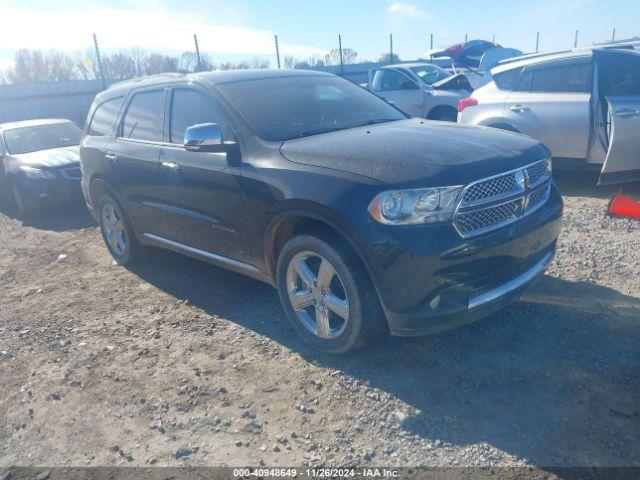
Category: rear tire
<point>117,233</point>
<point>336,306</point>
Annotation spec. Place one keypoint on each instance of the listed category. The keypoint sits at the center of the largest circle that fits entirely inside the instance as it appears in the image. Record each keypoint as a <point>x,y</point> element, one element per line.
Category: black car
<point>40,162</point>
<point>364,220</point>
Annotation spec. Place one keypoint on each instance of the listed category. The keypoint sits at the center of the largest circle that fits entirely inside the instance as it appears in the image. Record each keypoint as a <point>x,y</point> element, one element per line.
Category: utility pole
<point>277,50</point>
<point>391,48</point>
<point>613,35</point>
<point>465,38</point>
<point>575,42</point>
<point>493,39</point>
<point>340,50</point>
<point>195,40</point>
<point>99,61</point>
<point>431,41</point>
<point>537,41</point>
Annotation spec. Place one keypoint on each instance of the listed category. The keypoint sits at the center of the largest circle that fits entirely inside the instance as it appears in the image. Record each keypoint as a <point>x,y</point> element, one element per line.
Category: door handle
<point>112,157</point>
<point>519,108</point>
<point>627,113</point>
<point>174,167</point>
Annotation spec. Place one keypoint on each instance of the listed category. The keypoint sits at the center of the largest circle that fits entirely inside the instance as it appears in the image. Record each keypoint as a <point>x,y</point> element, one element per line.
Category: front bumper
<point>430,279</point>
<point>46,192</point>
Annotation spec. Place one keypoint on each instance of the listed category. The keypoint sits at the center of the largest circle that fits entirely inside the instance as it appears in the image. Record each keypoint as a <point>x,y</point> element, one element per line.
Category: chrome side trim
<point>513,284</point>
<point>212,257</point>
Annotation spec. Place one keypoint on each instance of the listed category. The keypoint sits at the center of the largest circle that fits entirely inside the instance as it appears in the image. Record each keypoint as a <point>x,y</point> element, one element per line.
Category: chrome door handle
<point>111,156</point>
<point>627,113</point>
<point>170,166</point>
<point>519,108</point>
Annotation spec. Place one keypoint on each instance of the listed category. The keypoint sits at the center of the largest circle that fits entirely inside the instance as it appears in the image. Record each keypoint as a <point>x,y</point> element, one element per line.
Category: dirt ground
<point>175,362</point>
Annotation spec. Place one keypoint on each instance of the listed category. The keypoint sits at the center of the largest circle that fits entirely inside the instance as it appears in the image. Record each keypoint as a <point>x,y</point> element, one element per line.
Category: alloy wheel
<point>317,295</point>
<point>113,228</point>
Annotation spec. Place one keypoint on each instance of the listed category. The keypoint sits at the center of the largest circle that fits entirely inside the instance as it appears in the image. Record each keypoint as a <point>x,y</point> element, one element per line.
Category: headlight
<point>36,173</point>
<point>411,207</point>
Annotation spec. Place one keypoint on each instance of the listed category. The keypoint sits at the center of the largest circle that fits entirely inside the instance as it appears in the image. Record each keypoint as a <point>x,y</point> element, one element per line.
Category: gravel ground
<point>175,362</point>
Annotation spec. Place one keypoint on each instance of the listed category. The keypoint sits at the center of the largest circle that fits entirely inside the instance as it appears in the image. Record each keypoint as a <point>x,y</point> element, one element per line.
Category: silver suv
<point>584,105</point>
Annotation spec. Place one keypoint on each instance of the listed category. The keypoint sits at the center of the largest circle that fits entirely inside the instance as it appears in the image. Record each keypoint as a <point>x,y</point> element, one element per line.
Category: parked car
<point>416,89</point>
<point>363,219</point>
<point>584,105</point>
<point>39,162</point>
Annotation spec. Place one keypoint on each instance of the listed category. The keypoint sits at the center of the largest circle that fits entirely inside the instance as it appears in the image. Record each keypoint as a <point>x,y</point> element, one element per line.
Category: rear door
<point>619,90</point>
<point>400,90</point>
<point>552,104</point>
<point>135,158</point>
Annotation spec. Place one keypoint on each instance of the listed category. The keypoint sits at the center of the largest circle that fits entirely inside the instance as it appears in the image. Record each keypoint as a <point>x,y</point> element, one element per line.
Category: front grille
<point>495,187</point>
<point>537,172</point>
<point>476,222</point>
<point>73,173</point>
<point>494,202</point>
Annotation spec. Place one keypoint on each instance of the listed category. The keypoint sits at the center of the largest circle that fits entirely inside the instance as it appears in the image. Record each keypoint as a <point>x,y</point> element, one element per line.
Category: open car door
<point>618,114</point>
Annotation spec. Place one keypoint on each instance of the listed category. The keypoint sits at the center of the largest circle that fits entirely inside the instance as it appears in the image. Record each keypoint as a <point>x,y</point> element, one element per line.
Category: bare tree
<point>36,66</point>
<point>348,56</point>
<point>387,58</point>
<point>258,62</point>
<point>155,63</point>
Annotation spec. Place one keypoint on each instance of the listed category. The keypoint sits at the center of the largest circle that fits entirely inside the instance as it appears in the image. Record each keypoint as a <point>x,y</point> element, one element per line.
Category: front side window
<point>144,117</point>
<point>188,108</point>
<point>279,109</point>
<point>104,117</point>
<point>620,74</point>
<point>41,137</point>
<point>567,78</point>
<point>389,80</point>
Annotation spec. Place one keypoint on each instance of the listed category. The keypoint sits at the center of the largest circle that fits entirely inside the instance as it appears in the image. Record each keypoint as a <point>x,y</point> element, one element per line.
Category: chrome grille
<point>495,187</point>
<point>493,202</point>
<point>479,221</point>
<point>537,172</point>
<point>538,197</point>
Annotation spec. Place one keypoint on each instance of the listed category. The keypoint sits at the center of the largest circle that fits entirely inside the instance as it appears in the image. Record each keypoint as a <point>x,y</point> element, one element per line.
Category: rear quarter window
<point>508,79</point>
<point>104,117</point>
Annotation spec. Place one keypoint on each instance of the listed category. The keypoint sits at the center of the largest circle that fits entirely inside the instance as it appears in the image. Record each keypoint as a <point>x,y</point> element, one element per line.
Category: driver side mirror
<point>206,137</point>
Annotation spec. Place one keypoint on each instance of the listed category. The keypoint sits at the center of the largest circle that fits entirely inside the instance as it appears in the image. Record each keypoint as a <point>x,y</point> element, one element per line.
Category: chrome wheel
<point>317,295</point>
<point>113,230</point>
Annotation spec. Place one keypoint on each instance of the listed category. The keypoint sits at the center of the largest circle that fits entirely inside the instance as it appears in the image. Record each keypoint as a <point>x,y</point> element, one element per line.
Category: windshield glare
<point>280,109</point>
<point>41,137</point>
<point>430,74</point>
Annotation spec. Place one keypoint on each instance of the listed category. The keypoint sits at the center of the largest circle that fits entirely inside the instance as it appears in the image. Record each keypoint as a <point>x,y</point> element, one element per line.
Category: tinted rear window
<point>144,117</point>
<point>567,78</point>
<point>105,117</point>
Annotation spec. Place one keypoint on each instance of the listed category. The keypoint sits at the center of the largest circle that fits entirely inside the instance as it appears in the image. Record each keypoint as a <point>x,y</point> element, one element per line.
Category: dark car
<point>363,219</point>
<point>40,162</point>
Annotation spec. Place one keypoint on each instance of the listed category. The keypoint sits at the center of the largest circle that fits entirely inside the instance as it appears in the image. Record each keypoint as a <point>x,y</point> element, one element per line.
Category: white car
<point>583,104</point>
<point>420,89</point>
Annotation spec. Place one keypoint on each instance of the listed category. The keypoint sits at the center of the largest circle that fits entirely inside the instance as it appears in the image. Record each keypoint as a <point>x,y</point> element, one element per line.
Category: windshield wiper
<point>309,133</point>
<point>380,120</point>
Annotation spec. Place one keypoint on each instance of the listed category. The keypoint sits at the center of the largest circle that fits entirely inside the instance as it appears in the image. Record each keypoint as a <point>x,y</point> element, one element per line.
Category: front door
<point>203,194</point>
<point>619,89</point>
<point>552,104</point>
<point>401,91</point>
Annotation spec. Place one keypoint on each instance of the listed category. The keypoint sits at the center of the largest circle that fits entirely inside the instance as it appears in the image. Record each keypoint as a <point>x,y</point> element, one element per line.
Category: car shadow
<point>577,183</point>
<point>552,379</point>
<point>60,218</point>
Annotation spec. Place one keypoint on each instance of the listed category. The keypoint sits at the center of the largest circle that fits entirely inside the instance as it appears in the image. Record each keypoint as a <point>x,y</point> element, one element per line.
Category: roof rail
<point>158,76</point>
<point>528,56</point>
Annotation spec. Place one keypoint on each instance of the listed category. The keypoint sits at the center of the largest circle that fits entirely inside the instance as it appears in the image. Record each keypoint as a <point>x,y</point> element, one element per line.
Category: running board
<point>212,258</point>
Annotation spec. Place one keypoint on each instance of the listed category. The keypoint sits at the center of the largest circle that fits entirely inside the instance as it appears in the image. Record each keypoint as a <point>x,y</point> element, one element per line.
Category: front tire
<point>23,205</point>
<point>327,294</point>
<point>117,233</point>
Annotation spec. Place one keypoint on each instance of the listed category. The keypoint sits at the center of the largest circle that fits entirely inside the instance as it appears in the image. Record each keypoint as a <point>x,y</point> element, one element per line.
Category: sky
<point>231,30</point>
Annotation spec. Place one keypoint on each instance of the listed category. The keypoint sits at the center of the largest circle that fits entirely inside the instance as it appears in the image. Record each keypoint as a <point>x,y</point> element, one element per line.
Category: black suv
<point>364,220</point>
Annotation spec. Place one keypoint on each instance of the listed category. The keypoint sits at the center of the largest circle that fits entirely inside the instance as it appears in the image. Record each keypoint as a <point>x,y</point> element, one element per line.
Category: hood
<point>417,152</point>
<point>52,158</point>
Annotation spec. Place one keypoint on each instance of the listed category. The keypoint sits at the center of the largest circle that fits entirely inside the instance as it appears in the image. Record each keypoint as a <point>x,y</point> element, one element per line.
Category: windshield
<point>430,74</point>
<point>41,137</point>
<point>280,109</point>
